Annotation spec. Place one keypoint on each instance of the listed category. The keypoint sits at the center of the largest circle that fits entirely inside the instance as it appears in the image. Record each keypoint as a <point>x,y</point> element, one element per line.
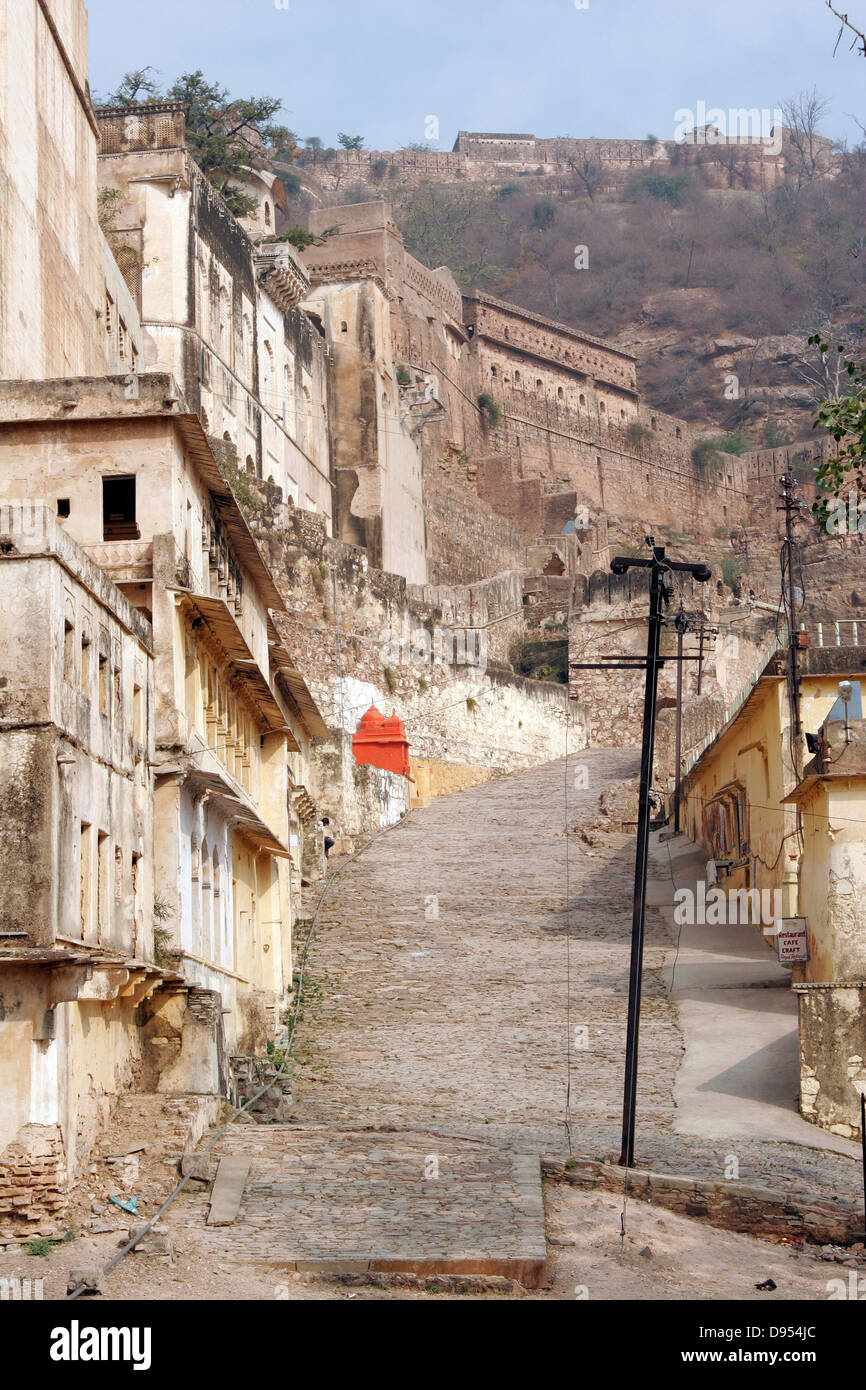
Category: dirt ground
<point>664,1256</point>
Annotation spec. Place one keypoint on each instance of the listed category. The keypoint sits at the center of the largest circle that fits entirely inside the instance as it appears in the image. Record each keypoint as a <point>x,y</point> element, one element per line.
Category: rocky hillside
<point>716,290</point>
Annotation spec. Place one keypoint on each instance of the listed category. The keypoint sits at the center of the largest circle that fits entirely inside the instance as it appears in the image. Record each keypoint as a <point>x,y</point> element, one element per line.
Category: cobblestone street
<point>463,1023</point>
<point>445,1007</point>
<point>442,970</point>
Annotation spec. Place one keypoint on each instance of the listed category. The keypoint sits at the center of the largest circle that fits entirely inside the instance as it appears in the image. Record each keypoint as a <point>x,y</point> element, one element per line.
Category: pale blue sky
<point>379,68</point>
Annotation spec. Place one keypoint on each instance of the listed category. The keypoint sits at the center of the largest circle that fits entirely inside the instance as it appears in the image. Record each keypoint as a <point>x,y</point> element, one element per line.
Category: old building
<point>769,827</point>
<point>65,309</point>
<point>136,484</point>
<point>831,985</point>
<point>219,309</point>
<point>76,854</point>
<point>395,336</point>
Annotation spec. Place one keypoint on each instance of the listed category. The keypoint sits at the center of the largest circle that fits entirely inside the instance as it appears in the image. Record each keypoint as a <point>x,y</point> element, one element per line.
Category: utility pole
<point>791,505</point>
<point>682,625</point>
<point>660,592</point>
<point>700,656</point>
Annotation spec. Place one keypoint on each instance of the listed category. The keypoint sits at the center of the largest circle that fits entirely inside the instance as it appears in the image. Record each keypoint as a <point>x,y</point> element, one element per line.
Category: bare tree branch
<point>858,40</point>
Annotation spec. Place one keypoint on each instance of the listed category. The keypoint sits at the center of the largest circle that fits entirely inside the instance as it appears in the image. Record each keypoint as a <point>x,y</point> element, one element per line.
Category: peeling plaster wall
<point>51,283</point>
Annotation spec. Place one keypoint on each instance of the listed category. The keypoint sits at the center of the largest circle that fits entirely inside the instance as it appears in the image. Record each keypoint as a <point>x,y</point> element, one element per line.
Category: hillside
<point>712,288</point>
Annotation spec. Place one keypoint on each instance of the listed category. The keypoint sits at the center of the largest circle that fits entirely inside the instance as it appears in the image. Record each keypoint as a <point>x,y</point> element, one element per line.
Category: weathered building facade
<point>62,301</point>
<point>772,829</point>
<point>76,855</point>
<point>138,487</point>
<point>219,310</point>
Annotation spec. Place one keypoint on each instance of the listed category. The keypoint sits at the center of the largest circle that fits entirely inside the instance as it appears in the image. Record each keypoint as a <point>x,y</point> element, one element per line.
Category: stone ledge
<point>743,1207</point>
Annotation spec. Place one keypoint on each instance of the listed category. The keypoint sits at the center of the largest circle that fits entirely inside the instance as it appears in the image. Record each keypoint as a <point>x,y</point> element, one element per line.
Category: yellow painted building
<point>772,816</point>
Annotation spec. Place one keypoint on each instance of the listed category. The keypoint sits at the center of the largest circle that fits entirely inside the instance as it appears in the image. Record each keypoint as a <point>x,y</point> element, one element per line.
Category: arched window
<point>223,326</point>
<point>308,422</point>
<point>267,213</point>
<point>267,373</point>
<point>248,347</point>
<point>288,403</point>
<point>206,903</point>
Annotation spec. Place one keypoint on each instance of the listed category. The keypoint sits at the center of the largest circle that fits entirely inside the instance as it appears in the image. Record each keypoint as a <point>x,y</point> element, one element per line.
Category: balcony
<point>281,273</point>
<point>126,561</point>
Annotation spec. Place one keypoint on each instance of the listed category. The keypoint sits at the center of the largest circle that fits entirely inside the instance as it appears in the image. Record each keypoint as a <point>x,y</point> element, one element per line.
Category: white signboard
<point>792,945</point>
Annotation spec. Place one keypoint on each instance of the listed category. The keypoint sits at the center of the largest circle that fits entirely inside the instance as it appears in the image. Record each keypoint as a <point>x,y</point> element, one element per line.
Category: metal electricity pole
<point>682,625</point>
<point>660,592</point>
<point>791,505</point>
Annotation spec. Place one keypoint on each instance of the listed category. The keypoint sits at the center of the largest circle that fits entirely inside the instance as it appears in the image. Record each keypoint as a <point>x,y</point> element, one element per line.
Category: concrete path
<point>739,1075</point>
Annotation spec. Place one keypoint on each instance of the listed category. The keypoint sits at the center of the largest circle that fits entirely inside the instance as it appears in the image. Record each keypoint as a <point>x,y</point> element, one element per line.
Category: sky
<point>383,68</point>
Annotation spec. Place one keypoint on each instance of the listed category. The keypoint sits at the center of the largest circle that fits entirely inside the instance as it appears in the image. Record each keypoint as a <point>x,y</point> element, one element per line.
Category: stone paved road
<point>444,967</point>
<point>461,1023</point>
<point>346,1201</point>
<point>443,993</point>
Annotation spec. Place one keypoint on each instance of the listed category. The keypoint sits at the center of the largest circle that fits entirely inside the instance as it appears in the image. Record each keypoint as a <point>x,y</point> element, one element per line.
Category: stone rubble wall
<point>735,1206</point>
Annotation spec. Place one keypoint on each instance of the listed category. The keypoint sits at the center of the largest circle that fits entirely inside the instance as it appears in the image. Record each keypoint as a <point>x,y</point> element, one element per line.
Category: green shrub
<point>733,569</point>
<point>705,451</point>
<point>667,188</point>
<point>544,214</point>
<point>637,432</point>
<point>491,410</point>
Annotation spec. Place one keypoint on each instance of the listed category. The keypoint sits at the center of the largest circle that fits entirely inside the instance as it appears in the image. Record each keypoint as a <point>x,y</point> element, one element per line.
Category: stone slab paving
<point>466,1003</point>
<point>328,1200</point>
<point>465,1022</point>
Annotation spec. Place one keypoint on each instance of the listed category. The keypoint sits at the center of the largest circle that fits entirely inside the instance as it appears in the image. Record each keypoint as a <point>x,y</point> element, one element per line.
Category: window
<point>267,213</point>
<point>101,885</point>
<point>137,714</point>
<point>118,509</point>
<point>63,506</point>
<point>85,661</point>
<point>122,340</point>
<point>68,651</point>
<point>135,874</point>
<point>85,875</point>
<point>103,683</point>
<point>267,373</point>
<point>118,874</point>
